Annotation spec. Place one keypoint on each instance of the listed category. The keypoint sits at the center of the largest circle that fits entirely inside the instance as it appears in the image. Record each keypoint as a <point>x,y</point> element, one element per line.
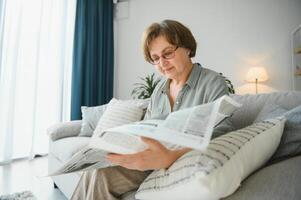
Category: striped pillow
<point>217,172</point>
<point>119,112</point>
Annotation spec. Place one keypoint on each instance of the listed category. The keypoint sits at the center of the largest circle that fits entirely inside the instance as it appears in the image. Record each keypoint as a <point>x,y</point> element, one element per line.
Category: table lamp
<point>256,75</point>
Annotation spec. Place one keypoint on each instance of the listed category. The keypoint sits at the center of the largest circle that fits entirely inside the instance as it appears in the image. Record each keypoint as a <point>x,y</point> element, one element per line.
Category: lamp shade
<point>257,73</point>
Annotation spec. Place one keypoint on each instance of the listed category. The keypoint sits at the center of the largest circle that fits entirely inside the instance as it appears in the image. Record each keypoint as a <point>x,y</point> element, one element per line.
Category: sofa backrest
<point>252,104</point>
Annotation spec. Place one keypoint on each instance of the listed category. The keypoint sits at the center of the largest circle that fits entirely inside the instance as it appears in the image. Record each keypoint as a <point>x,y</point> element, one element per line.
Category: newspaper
<point>190,127</point>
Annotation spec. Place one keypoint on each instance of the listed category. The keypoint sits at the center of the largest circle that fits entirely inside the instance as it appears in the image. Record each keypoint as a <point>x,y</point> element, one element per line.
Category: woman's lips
<point>168,69</point>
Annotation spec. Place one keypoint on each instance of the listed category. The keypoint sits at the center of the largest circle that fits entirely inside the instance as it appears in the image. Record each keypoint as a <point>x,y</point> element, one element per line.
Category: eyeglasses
<point>168,54</point>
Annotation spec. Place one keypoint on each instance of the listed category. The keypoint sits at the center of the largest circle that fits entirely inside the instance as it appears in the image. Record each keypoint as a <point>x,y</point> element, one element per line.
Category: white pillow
<point>119,112</point>
<point>91,115</point>
<point>217,172</point>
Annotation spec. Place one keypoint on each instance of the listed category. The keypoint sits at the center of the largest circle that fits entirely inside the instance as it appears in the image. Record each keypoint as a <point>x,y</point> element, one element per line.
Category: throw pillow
<point>90,118</point>
<point>141,103</point>
<point>290,144</point>
<point>217,172</point>
<point>119,112</point>
<point>91,115</point>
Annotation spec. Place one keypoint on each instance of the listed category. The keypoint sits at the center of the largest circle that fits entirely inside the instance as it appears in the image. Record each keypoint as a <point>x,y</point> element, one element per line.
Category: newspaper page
<point>190,127</point>
<point>93,155</point>
<point>85,159</point>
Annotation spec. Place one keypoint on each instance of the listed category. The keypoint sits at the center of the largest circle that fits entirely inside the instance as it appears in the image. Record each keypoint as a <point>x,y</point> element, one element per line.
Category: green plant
<point>229,84</point>
<point>145,89</point>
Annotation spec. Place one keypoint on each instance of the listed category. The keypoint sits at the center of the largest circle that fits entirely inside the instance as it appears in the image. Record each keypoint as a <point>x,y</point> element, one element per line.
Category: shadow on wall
<point>250,88</point>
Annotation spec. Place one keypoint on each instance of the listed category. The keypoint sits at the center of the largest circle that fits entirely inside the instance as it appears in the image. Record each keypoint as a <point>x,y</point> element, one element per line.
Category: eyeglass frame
<point>173,53</point>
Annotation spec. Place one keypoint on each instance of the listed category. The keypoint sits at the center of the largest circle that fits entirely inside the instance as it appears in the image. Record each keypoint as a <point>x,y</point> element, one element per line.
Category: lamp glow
<point>257,74</point>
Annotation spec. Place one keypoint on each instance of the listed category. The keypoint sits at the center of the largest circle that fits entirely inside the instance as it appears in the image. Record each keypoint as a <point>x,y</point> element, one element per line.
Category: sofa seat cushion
<point>65,148</point>
<point>278,181</point>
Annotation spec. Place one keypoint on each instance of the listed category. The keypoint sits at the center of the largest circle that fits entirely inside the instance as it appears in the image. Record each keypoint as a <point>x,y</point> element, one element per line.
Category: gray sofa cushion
<point>290,144</point>
<point>279,181</point>
<point>91,116</point>
<point>252,104</point>
<point>270,111</point>
<point>224,127</point>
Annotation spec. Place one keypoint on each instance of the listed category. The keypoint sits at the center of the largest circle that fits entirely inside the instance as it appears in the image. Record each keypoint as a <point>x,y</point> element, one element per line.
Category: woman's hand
<point>155,157</point>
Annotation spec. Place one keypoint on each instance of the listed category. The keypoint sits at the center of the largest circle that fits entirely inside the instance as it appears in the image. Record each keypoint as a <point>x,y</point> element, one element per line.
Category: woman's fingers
<point>152,144</point>
<point>122,159</point>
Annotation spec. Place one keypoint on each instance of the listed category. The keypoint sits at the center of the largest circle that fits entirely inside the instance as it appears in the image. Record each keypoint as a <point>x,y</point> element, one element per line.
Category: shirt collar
<point>192,79</point>
<point>165,87</point>
<point>194,75</point>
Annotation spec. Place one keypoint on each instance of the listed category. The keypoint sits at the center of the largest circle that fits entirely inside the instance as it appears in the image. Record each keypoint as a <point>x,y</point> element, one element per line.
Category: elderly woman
<point>169,46</point>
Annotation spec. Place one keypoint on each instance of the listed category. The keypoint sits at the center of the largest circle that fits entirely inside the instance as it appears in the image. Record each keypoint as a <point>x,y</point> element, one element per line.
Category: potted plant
<point>144,89</point>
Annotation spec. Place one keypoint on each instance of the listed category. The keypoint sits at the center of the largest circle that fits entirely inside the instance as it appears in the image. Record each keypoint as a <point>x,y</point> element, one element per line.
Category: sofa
<point>278,180</point>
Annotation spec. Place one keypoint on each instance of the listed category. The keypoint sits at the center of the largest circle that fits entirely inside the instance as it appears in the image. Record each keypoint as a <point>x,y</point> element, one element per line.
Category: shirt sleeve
<point>218,89</point>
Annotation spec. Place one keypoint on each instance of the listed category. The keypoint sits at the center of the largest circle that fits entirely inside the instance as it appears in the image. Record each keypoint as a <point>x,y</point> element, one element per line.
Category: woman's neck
<point>181,80</point>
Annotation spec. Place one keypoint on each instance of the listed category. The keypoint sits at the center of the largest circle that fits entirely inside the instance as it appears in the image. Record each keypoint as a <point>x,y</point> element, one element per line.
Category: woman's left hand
<point>155,157</point>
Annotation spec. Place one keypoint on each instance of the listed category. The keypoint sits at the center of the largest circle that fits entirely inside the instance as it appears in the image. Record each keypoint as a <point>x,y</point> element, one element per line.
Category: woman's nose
<point>163,61</point>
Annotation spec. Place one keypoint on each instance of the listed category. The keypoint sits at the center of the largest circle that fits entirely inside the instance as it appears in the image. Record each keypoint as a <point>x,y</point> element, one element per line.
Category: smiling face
<point>174,62</point>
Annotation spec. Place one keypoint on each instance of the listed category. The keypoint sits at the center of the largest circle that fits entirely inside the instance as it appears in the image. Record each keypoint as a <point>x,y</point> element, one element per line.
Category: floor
<point>28,175</point>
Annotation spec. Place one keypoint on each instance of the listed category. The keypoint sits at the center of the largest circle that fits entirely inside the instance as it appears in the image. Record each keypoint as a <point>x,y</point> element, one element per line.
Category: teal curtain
<point>93,59</point>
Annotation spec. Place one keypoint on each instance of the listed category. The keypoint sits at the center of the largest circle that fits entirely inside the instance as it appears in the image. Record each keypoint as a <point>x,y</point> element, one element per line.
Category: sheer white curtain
<point>35,73</point>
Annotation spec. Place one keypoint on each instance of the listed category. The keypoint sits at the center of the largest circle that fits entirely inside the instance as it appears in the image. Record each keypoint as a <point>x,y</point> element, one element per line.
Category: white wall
<point>232,35</point>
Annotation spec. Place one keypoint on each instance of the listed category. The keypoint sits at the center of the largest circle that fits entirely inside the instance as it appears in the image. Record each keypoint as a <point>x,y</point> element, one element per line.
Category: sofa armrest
<point>64,129</point>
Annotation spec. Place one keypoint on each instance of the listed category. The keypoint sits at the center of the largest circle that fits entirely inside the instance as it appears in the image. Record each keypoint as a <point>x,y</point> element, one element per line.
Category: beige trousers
<point>108,183</point>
